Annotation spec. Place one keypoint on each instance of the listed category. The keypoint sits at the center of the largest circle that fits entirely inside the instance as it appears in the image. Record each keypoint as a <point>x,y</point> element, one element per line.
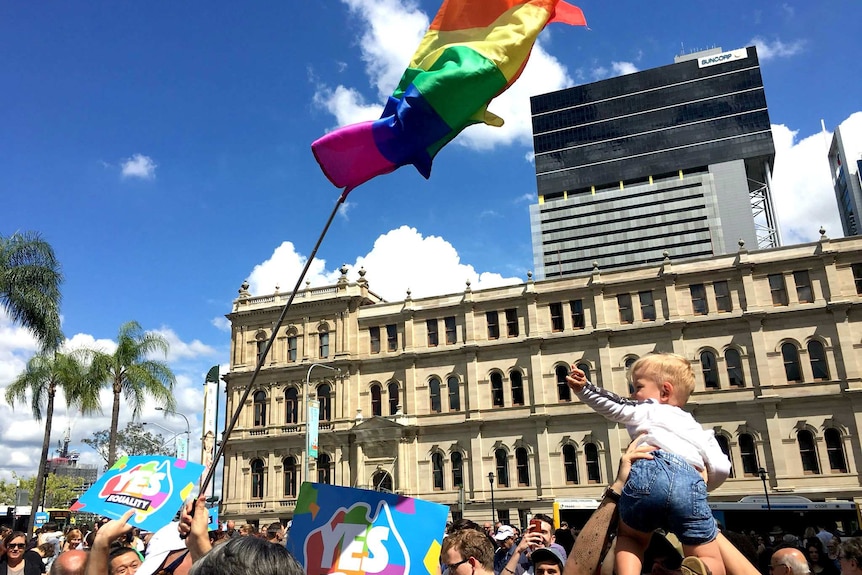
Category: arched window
<point>748,455</point>
<point>501,458</point>
<point>434,395</point>
<point>291,347</point>
<point>324,397</point>
<point>710,369</point>
<point>376,405</point>
<point>517,387</point>
<point>835,450</point>
<point>323,336</point>
<point>437,471</point>
<point>586,369</point>
<point>570,464</point>
<point>290,474</point>
<point>817,357</point>
<point>733,361</point>
<point>564,392</point>
<point>393,398</point>
<point>291,405</point>
<point>324,468</point>
<point>523,466</point>
<point>497,389</point>
<point>724,444</point>
<point>630,361</point>
<point>259,409</point>
<point>257,486</point>
<point>790,356</point>
<point>454,393</point>
<point>457,469</point>
<point>808,452</point>
<point>382,481</point>
<point>591,454</point>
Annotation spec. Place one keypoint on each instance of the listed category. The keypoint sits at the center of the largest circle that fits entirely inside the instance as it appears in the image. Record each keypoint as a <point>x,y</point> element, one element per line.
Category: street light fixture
<point>188,427</point>
<point>305,401</point>
<point>762,473</point>
<point>493,507</point>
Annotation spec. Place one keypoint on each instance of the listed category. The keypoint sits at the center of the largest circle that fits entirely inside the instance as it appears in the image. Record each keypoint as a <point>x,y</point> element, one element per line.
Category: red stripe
<point>465,14</point>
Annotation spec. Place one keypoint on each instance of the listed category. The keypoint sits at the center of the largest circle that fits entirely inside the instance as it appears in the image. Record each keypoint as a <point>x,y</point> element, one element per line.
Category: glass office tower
<point>670,162</point>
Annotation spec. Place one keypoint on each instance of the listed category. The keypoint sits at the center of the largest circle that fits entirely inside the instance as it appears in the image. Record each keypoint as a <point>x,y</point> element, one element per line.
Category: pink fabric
<point>348,156</point>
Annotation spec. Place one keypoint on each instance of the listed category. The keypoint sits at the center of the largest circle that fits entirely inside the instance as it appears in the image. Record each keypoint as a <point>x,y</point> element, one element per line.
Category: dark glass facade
<point>658,121</point>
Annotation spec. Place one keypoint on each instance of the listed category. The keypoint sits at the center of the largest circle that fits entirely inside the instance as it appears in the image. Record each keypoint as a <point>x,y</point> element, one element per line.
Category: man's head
<point>275,532</point>
<point>850,556</point>
<point>505,537</point>
<point>69,563</point>
<point>467,552</point>
<point>546,529</point>
<point>230,525</point>
<point>123,561</point>
<point>489,528</point>
<point>166,553</point>
<point>547,561</point>
<point>788,561</point>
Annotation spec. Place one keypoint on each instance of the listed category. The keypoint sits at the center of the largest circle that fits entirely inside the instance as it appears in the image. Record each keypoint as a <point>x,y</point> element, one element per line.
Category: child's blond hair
<point>670,367</point>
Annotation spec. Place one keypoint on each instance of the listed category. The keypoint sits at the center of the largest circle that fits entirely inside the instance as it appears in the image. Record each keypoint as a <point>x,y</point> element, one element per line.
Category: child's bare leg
<point>709,553</point>
<point>630,548</point>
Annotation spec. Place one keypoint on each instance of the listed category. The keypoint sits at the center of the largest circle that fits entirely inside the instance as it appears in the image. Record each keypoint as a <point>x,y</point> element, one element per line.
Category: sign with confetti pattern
<point>360,532</point>
<point>153,485</point>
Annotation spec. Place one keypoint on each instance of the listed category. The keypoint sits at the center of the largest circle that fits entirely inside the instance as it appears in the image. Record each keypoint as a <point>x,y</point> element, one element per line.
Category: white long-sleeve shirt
<point>667,427</point>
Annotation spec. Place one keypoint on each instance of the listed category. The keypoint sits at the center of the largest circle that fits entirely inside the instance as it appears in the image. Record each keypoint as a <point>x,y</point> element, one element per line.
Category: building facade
<point>675,159</point>
<point>460,399</point>
<point>845,165</point>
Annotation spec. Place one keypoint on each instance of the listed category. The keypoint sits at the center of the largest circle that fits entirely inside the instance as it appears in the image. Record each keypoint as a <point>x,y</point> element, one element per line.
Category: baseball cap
<point>164,541</point>
<point>541,554</point>
<point>504,532</point>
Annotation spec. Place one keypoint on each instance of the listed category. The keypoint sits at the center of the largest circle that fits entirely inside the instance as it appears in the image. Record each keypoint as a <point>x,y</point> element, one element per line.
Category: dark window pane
<point>512,322</point>
<point>521,460</point>
<point>808,452</point>
<point>291,348</point>
<point>393,398</point>
<point>835,450</point>
<point>451,334</point>
<point>790,356</point>
<point>647,306</point>
<point>698,299</point>
<point>817,356</point>
<point>517,387</point>
<point>778,289</point>
<point>323,392</point>
<point>501,459</point>
<point>493,325</point>
<point>457,470</point>
<point>591,454</point>
<point>857,277</point>
<point>725,448</point>
<point>291,405</point>
<point>434,393</point>
<point>376,401</point>
<point>289,466</point>
<point>710,369</point>
<point>324,469</point>
<point>564,392</point>
<point>497,389</point>
<point>748,454</point>
<point>454,394</point>
<point>577,309</point>
<point>722,296</point>
<point>734,368</point>
<point>324,345</point>
<point>437,471</point>
<point>431,326</point>
<point>570,463</point>
<point>374,334</point>
<point>624,301</point>
<point>257,484</point>
<point>803,287</point>
<point>259,409</point>
<point>556,310</point>
<point>391,337</point>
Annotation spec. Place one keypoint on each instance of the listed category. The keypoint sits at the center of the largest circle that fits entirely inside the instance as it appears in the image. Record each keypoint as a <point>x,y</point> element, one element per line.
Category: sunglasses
<point>16,546</point>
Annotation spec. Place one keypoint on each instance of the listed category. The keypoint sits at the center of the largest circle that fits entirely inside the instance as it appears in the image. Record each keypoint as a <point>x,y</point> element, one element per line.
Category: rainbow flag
<point>472,52</point>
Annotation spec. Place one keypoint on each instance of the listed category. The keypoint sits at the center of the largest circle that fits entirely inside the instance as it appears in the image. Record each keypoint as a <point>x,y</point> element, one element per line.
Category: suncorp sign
<point>722,58</point>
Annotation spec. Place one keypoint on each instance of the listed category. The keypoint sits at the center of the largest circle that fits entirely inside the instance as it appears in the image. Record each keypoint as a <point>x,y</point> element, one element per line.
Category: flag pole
<point>262,356</point>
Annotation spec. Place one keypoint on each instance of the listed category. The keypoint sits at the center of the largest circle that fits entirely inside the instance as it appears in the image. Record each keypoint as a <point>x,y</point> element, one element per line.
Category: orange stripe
<point>464,14</point>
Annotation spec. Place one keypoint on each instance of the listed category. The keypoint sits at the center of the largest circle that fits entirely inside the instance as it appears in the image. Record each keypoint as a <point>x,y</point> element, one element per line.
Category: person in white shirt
<point>668,491</point>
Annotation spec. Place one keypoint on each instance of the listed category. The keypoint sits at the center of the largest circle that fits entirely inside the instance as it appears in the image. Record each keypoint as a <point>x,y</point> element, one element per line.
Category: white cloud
<point>391,30</point>
<point>622,68</point>
<point>344,208</point>
<point>179,349</point>
<point>802,186</point>
<point>139,166</point>
<point>776,49</point>
<point>400,259</point>
<point>221,323</point>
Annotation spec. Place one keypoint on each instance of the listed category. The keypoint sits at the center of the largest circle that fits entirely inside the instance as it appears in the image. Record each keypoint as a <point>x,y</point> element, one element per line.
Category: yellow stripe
<point>507,42</point>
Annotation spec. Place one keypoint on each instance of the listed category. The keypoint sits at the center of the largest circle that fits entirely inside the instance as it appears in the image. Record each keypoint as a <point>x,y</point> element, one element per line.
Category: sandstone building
<point>435,394</point>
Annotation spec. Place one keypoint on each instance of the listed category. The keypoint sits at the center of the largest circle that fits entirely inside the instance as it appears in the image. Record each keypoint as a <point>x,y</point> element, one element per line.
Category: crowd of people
<point>664,526</point>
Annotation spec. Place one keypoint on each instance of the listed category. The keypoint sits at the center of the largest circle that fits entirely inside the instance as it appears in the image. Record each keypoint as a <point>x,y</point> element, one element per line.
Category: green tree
<point>30,280</point>
<point>133,375</point>
<point>133,440</point>
<point>60,490</point>
<point>46,374</point>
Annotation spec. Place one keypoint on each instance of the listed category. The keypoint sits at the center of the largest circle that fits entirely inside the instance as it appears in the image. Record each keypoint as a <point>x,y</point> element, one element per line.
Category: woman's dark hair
<point>463,523</point>
<point>14,535</point>
<point>247,556</point>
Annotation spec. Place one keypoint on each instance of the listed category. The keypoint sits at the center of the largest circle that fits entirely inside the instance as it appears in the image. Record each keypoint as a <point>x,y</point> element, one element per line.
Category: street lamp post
<point>305,401</point>
<point>762,473</point>
<point>188,427</point>
<point>493,507</point>
<point>165,442</point>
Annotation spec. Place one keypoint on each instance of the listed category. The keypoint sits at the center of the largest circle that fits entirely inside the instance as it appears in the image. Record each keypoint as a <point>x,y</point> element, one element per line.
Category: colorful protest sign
<point>154,485</point>
<point>360,532</point>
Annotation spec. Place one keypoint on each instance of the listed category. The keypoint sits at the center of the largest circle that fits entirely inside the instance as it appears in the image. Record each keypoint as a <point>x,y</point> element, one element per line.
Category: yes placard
<point>359,532</point>
<point>153,485</point>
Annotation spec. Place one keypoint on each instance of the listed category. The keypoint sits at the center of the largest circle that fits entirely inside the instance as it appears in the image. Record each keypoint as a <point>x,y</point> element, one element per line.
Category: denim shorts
<point>667,492</point>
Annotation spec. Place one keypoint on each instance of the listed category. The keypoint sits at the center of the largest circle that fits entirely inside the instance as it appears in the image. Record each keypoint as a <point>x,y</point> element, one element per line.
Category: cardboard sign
<point>154,485</point>
<point>359,532</point>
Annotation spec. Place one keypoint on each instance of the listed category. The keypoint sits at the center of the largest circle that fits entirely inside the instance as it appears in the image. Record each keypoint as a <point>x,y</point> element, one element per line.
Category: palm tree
<point>45,374</point>
<point>30,286</point>
<point>132,374</point>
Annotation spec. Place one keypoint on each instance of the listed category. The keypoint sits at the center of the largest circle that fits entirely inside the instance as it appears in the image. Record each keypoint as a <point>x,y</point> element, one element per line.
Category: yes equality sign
<point>359,532</point>
<point>155,486</point>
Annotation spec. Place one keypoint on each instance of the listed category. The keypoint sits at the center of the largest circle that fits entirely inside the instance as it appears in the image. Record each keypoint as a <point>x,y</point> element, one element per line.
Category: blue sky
<point>163,149</point>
